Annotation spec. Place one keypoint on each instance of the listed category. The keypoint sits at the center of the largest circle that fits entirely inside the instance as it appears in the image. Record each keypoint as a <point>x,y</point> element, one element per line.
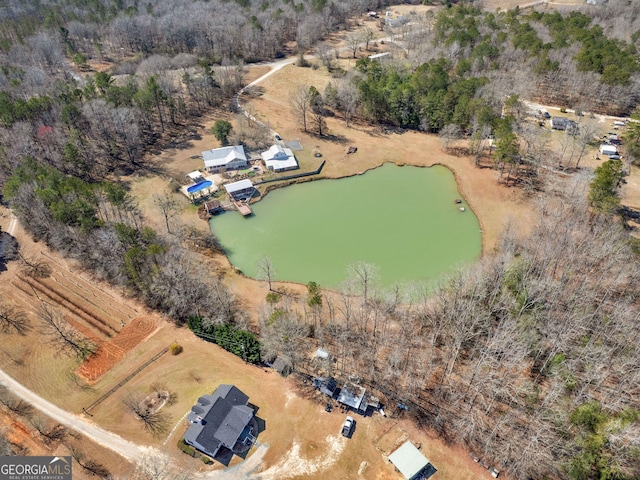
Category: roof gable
<point>222,156</point>
<point>236,187</point>
<point>219,418</point>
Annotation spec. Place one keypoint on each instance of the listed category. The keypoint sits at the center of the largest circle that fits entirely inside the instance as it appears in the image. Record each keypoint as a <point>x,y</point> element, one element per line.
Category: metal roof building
<point>229,158</point>
<point>353,396</point>
<point>279,159</point>
<point>240,190</point>
<point>411,463</point>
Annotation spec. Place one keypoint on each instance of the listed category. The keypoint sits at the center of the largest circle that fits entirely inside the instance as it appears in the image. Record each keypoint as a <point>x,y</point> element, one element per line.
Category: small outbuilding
<point>353,396</point>
<point>411,463</point>
<point>213,207</point>
<point>379,56</point>
<point>608,149</point>
<point>558,123</point>
<point>326,385</point>
<point>282,365</point>
<point>196,177</point>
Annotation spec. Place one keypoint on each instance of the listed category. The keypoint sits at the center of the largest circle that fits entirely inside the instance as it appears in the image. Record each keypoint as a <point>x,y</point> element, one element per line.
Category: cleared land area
<point>294,420</point>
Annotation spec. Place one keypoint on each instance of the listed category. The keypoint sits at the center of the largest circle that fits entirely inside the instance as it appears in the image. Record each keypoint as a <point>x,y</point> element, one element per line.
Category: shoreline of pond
<point>273,186</point>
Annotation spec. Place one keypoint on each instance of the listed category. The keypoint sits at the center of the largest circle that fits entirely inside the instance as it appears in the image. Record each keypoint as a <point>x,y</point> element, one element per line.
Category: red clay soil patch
<point>110,353</point>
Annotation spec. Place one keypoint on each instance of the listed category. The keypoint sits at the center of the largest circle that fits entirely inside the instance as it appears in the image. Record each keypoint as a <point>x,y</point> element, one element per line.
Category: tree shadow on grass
<point>339,139</point>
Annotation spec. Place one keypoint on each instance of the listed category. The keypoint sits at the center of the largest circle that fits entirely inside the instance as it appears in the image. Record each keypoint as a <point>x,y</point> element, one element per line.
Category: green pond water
<point>404,220</point>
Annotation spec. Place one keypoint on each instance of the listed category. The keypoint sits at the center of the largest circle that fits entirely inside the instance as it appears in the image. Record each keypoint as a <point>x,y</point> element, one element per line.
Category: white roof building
<point>608,149</point>
<point>196,176</point>
<point>241,189</point>
<point>229,158</point>
<point>409,460</point>
<point>279,159</point>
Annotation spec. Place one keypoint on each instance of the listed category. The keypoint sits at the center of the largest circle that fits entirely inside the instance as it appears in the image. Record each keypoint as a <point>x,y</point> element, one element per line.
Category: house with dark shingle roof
<point>220,420</point>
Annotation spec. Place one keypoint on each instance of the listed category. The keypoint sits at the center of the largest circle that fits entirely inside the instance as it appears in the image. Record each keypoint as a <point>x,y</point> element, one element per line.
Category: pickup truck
<point>347,426</point>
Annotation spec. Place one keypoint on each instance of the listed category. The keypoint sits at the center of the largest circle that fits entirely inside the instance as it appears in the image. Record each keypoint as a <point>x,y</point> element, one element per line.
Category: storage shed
<point>411,463</point>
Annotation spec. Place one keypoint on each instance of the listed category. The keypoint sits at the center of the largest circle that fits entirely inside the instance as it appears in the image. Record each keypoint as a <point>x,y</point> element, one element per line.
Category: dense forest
<point>529,358</point>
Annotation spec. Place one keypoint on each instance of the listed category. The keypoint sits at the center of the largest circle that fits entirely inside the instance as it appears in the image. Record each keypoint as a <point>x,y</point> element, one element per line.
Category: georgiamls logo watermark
<point>35,468</point>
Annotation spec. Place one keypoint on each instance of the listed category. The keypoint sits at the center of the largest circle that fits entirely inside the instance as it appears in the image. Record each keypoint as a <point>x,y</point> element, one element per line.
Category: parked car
<point>278,137</point>
<point>347,426</point>
<point>614,157</point>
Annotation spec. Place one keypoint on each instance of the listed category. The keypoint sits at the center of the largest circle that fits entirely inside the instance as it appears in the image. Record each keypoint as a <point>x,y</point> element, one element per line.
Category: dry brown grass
<point>289,419</point>
<point>493,206</point>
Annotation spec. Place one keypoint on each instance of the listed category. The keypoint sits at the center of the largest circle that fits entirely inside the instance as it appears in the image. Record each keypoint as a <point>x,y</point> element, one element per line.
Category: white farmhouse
<point>279,159</point>
<point>225,158</point>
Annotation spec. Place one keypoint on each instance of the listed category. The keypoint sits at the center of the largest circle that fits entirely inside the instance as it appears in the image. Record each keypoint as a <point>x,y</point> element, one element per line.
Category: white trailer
<point>608,149</point>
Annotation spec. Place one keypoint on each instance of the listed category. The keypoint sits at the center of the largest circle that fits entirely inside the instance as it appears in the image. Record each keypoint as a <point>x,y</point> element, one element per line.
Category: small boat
<point>462,209</point>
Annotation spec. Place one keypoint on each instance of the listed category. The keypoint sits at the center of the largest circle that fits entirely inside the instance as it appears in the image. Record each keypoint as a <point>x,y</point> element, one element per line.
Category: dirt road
<point>128,450</point>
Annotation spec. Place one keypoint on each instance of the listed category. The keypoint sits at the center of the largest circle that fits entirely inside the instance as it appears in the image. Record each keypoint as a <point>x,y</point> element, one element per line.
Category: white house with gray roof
<point>225,158</point>
<point>279,159</point>
<point>220,420</point>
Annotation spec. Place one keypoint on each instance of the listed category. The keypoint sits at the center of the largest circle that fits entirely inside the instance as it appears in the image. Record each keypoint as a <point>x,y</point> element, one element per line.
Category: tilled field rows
<point>111,306</point>
<point>100,325</point>
<point>111,352</point>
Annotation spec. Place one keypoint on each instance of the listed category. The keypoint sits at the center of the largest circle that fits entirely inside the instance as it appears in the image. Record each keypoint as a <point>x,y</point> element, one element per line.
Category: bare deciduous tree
<point>51,432</point>
<point>448,133</point>
<point>35,267</point>
<point>266,271</point>
<point>62,335</point>
<point>368,35</point>
<point>153,421</point>
<point>168,206</point>
<point>15,404</point>
<point>90,465</point>
<point>300,105</point>
<point>348,100</point>
<point>13,319</point>
<point>352,41</point>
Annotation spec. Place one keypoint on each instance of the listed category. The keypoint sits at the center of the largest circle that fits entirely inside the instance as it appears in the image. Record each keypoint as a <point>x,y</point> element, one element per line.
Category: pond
<point>404,220</point>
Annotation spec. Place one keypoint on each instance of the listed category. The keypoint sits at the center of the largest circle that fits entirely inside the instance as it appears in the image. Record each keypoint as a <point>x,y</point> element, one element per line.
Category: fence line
<point>290,177</point>
<point>126,379</point>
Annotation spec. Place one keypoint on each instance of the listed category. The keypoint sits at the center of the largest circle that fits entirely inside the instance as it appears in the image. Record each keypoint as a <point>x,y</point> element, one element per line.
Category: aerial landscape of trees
<point>528,358</point>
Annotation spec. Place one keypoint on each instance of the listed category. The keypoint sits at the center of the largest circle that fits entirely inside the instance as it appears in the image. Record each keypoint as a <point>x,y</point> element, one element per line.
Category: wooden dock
<point>243,208</point>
